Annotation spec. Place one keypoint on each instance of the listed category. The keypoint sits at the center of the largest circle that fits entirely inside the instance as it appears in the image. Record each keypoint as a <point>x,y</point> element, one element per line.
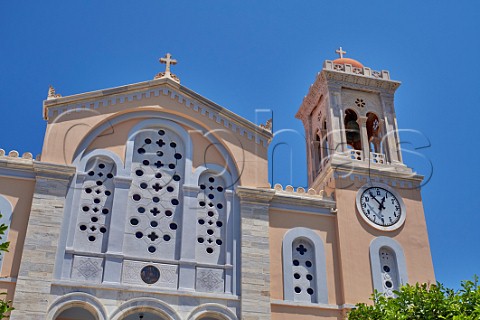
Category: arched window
<point>388,265</point>
<point>154,204</point>
<point>373,132</point>
<point>304,267</point>
<point>352,130</point>
<point>76,313</point>
<point>96,200</point>
<point>6,218</point>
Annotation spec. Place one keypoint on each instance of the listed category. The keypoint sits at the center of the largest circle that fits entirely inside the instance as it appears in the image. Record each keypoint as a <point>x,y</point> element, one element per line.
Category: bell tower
<point>349,120</point>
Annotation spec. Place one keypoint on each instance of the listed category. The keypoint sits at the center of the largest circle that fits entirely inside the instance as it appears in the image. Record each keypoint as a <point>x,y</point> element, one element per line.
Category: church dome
<point>353,62</point>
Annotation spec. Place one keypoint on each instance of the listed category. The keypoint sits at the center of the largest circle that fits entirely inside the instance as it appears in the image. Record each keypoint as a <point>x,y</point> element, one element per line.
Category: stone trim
<point>151,305</point>
<point>320,263</point>
<point>183,95</point>
<point>212,310</point>
<point>393,245</point>
<point>77,299</point>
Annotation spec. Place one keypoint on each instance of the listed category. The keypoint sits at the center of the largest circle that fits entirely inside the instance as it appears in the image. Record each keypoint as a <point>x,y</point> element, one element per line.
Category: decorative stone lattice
<point>210,280</point>
<point>389,271</point>
<point>211,219</point>
<point>303,258</point>
<point>95,206</point>
<point>87,269</point>
<point>158,168</point>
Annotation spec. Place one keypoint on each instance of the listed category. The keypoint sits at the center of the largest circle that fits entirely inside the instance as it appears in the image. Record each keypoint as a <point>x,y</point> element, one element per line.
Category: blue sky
<point>248,55</point>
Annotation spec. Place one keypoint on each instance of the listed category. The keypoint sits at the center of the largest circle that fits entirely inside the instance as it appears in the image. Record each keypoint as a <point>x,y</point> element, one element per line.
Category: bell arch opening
<point>352,130</point>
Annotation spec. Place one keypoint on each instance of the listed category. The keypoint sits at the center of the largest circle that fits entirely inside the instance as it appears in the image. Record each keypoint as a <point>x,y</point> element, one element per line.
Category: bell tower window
<point>373,132</point>
<point>352,130</point>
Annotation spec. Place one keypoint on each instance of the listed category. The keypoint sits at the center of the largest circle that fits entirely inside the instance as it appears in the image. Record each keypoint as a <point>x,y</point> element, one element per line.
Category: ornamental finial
<point>340,52</point>
<point>52,94</point>
<point>168,61</point>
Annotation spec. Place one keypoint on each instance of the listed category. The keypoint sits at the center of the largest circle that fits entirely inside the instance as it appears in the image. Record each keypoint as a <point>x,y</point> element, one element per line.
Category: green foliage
<point>425,302</point>
<point>5,306</point>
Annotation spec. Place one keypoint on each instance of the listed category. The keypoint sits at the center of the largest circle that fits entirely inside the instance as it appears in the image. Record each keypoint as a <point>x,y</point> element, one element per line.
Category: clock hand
<point>371,195</point>
<point>381,204</point>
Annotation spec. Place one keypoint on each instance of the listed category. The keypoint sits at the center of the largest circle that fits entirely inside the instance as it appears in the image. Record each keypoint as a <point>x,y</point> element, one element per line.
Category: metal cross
<point>168,61</point>
<point>340,52</point>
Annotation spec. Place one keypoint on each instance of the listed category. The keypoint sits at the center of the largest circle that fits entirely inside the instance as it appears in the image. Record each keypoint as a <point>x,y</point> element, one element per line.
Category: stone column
<point>362,123</point>
<point>255,253</point>
<point>41,241</point>
<point>393,152</point>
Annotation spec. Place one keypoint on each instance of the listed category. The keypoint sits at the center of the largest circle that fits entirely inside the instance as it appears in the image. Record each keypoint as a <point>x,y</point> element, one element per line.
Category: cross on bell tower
<point>340,52</point>
<point>168,61</point>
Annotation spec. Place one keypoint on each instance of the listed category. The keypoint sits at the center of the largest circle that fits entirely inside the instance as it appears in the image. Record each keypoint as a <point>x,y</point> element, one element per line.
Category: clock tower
<point>354,155</point>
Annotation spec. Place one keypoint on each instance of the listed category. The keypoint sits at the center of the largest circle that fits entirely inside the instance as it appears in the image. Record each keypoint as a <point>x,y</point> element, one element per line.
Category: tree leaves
<point>423,301</point>
<point>5,306</point>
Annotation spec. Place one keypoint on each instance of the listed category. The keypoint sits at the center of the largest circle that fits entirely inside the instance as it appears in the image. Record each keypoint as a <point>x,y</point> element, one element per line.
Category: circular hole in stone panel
<point>108,193</point>
<point>94,219</point>
<point>155,199</point>
<point>91,173</point>
<point>308,264</point>
<point>143,185</point>
<point>202,186</point>
<point>134,221</point>
<point>96,200</point>
<point>166,237</point>
<point>139,172</point>
<point>105,211</point>
<point>83,227</point>
<point>388,284</point>
<point>173,226</point>
<point>201,221</point>
<point>139,234</point>
<point>209,250</point>
<point>176,177</point>
<point>101,166</point>
<point>201,203</point>
<point>296,276</point>
<point>136,197</point>
<point>173,144</point>
<point>109,175</point>
<point>220,189</point>
<point>168,213</point>
<point>211,179</point>
<point>211,196</point>
<point>148,141</point>
<point>146,162</point>
<point>158,175</point>
<point>219,242</point>
<point>298,290</point>
<point>91,238</point>
<point>85,208</point>
<point>210,231</point>
<point>309,277</point>
<point>386,268</point>
<point>219,224</point>
<point>310,291</point>
<point>161,132</point>
<point>159,153</point>
<point>150,274</point>
<point>296,263</point>
<point>200,240</point>
<point>88,190</point>
<point>152,249</point>
<point>103,229</point>
<point>220,206</point>
<point>211,213</point>
<point>154,223</point>
<point>170,189</point>
<point>171,166</point>
<point>99,183</point>
<point>175,202</point>
<point>141,150</point>
<point>141,209</point>
<point>178,156</point>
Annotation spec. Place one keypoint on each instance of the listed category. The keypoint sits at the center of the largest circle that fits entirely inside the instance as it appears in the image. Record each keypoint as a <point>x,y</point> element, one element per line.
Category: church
<point>150,201</point>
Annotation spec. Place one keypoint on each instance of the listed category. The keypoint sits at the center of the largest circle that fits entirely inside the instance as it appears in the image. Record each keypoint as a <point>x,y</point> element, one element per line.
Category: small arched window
<point>388,266</point>
<point>304,267</point>
<point>352,130</point>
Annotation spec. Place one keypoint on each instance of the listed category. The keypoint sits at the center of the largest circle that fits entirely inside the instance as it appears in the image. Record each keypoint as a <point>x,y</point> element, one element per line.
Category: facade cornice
<point>255,195</point>
<point>53,171</point>
<point>154,88</point>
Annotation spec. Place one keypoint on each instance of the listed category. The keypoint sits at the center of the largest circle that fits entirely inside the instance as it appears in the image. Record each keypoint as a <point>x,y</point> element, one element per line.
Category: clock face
<point>381,207</point>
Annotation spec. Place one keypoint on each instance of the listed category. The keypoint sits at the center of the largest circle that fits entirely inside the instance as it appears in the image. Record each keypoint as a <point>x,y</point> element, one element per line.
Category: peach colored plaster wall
<point>280,312</point>
<point>20,193</point>
<point>355,236</point>
<point>63,136</point>
<point>325,227</point>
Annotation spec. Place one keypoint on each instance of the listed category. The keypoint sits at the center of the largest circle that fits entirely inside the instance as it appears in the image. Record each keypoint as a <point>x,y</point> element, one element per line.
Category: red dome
<point>354,63</point>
